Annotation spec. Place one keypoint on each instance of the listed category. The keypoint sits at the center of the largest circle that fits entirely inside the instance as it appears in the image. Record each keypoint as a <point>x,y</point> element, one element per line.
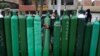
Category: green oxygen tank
<point>87,39</point>
<point>30,35</point>
<point>94,40</point>
<point>57,35</point>
<point>7,25</point>
<point>65,34</point>
<point>14,34</point>
<point>80,33</point>
<point>46,37</point>
<point>22,33</point>
<point>72,34</point>
<point>37,35</point>
<point>2,36</point>
<point>98,49</point>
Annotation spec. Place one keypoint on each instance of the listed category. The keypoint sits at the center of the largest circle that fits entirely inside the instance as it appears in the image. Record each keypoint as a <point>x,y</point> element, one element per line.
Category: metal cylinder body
<point>57,36</point>
<point>37,35</point>
<point>46,37</point>
<point>64,34</point>
<point>72,35</point>
<point>98,48</point>
<point>94,39</point>
<point>7,24</point>
<point>87,39</point>
<point>22,34</point>
<point>30,35</point>
<point>2,36</point>
<point>14,34</point>
<point>80,34</point>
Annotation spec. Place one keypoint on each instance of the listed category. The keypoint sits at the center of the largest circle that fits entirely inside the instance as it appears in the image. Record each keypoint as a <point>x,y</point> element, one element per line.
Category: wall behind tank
<point>94,16</point>
<point>14,1</point>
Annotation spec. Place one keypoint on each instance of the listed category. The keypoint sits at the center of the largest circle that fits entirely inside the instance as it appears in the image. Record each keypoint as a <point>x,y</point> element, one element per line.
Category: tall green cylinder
<point>14,34</point>
<point>80,34</point>
<point>57,35</point>
<point>7,24</point>
<point>22,34</point>
<point>94,40</point>
<point>65,34</point>
<point>2,36</point>
<point>37,35</point>
<point>98,49</point>
<point>72,35</point>
<point>30,35</point>
<point>46,37</point>
<point>87,39</point>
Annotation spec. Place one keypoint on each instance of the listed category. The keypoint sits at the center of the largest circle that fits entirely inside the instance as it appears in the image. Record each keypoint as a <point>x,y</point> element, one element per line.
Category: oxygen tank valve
<point>64,9</point>
<point>7,11</point>
<point>53,11</point>
<point>14,12</point>
<point>0,12</point>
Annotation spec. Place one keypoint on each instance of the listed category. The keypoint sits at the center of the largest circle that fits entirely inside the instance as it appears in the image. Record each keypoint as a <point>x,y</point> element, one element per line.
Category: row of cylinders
<point>23,36</point>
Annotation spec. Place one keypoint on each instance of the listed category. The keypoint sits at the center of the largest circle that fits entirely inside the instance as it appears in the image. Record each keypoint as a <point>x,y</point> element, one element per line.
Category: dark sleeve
<point>52,24</point>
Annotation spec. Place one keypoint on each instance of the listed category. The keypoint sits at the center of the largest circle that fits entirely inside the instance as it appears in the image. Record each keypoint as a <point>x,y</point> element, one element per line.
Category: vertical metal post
<point>41,6</point>
<point>59,7</point>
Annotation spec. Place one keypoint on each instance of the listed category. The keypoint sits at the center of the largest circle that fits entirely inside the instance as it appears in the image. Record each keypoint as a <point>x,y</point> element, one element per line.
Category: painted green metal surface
<point>37,35</point>
<point>2,36</point>
<point>46,37</point>
<point>98,49</point>
<point>94,40</point>
<point>57,35</point>
<point>65,34</point>
<point>22,34</point>
<point>87,39</point>
<point>80,36</point>
<point>7,24</point>
<point>72,35</point>
<point>14,34</point>
<point>30,35</point>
